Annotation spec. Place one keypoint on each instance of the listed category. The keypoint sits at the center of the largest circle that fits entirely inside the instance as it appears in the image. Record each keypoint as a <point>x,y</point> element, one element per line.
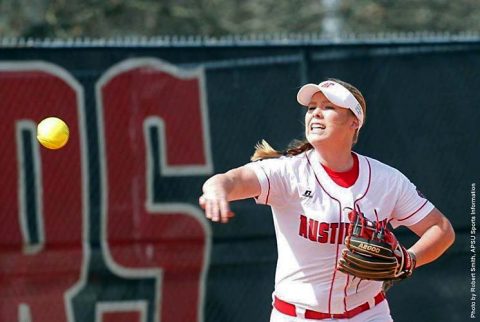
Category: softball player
<point>311,188</point>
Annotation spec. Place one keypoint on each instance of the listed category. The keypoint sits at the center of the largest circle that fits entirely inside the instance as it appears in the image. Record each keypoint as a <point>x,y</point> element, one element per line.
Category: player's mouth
<point>316,127</point>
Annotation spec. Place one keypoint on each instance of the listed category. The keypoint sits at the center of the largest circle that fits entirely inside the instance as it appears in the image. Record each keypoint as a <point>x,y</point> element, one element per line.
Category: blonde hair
<point>263,150</point>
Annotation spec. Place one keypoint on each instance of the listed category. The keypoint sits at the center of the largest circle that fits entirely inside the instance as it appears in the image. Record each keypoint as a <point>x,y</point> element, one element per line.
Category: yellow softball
<point>52,133</point>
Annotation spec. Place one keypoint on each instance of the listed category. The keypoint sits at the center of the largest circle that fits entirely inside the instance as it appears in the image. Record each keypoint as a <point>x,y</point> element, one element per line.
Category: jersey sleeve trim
<point>268,190</point>
<point>426,201</point>
<point>264,181</point>
<point>415,217</point>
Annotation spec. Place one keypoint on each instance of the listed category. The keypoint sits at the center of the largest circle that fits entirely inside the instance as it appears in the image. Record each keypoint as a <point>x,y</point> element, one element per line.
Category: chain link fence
<point>108,228</point>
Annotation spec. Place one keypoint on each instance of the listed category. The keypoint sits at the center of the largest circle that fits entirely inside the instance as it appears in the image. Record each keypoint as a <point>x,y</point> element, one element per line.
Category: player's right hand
<point>216,205</point>
<point>219,190</point>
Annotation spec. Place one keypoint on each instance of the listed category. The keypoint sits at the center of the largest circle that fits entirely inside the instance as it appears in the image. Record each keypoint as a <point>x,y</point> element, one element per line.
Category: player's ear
<point>355,124</point>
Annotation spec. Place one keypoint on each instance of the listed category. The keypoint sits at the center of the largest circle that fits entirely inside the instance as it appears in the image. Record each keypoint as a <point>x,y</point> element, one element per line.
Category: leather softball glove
<point>373,252</point>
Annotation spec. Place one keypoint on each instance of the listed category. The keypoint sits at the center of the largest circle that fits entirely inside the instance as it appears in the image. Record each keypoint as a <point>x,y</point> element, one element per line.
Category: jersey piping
<point>426,201</point>
<point>340,220</point>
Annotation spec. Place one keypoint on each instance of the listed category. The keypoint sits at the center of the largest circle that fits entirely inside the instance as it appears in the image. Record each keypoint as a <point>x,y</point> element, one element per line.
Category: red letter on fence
<point>41,194</point>
<point>144,238</point>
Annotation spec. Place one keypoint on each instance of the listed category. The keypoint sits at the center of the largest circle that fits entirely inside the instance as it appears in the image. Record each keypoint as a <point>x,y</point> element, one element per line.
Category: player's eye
<point>311,108</point>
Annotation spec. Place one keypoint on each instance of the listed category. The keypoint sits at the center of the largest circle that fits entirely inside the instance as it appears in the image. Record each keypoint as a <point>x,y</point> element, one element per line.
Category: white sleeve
<point>274,181</point>
<point>411,206</point>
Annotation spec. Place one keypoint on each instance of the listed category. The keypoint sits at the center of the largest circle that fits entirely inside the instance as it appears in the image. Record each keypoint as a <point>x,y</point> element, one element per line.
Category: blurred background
<point>160,95</point>
<point>120,18</point>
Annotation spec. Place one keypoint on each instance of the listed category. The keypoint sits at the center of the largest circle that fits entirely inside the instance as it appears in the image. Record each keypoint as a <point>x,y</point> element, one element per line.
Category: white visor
<point>335,93</point>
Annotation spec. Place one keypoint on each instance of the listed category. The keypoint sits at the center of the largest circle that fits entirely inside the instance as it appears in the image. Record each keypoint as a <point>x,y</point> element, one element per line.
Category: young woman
<point>311,188</point>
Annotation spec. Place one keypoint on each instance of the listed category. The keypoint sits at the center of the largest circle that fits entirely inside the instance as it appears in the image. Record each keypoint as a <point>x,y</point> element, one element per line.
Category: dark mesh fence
<point>112,230</point>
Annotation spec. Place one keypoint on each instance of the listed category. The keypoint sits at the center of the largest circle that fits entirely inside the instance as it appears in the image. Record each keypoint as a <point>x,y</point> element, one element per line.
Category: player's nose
<point>317,112</point>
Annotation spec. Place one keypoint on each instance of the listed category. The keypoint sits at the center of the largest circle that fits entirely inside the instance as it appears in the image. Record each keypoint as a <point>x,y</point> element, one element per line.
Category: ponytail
<point>263,150</point>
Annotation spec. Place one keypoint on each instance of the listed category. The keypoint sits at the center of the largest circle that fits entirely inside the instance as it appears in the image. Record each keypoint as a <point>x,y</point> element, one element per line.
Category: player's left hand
<point>373,252</point>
